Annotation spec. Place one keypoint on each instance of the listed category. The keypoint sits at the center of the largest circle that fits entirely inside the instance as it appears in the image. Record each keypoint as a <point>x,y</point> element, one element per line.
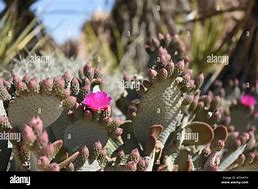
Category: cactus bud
<point>26,78</point>
<point>163,74</point>
<point>33,85</point>
<point>97,146</point>
<point>88,71</point>
<point>135,155</point>
<point>54,167</point>
<point>46,86</point>
<point>199,81</point>
<point>43,138</point>
<point>131,166</point>
<point>241,159</point>
<point>28,135</point>
<point>75,86</point>
<point>84,151</point>
<point>170,68</point>
<point>21,87</point>
<point>152,74</point>
<point>119,131</point>
<point>48,150</point>
<point>37,125</point>
<point>43,162</point>
<point>69,102</point>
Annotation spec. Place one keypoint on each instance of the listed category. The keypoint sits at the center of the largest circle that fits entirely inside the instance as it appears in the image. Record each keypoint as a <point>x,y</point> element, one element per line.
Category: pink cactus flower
<point>97,101</point>
<point>247,100</point>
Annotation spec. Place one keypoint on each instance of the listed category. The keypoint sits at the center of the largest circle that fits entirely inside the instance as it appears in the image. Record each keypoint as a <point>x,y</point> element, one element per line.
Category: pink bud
<point>160,36</point>
<point>152,73</point>
<point>206,151</point>
<point>69,102</point>
<point>108,111</point>
<point>46,84</point>
<point>37,125</point>
<point>191,82</point>
<point>33,84</point>
<point>86,88</point>
<point>84,151</point>
<point>88,67</point>
<point>43,138</point>
<point>131,165</point>
<point>98,81</point>
<point>97,72</point>
<point>88,71</point>
<point>142,164</point>
<point>54,167</point>
<point>26,77</point>
<point>103,152</point>
<point>181,65</point>
<point>75,81</point>
<point>251,134</point>
<point>244,137</point>
<point>121,154</point>
<point>88,114</point>
<point>48,150</point>
<point>3,120</point>
<point>230,128</point>
<point>163,73</point>
<point>16,79</point>
<point>107,121</point>
<point>117,122</point>
<point>119,131</point>
<point>187,77</point>
<point>43,162</point>
<point>59,82</point>
<point>241,159</point>
<point>87,82</point>
<point>97,145</point>
<point>236,143</point>
<point>135,155</point>
<point>67,92</point>
<point>66,76</point>
<point>28,135</point>
<point>162,50</point>
<point>21,86</point>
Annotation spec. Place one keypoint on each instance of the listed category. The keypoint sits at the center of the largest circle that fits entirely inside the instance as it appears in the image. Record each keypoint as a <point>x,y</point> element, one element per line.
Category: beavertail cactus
<point>47,98</point>
<point>162,95</point>
<point>88,126</point>
<point>66,122</point>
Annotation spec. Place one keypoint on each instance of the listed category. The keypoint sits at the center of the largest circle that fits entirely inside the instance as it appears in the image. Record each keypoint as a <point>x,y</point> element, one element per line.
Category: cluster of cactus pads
<point>169,126</point>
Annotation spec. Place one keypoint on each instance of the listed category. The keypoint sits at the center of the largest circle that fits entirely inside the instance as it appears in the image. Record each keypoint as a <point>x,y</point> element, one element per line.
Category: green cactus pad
<point>159,105</point>
<point>83,132</point>
<point>24,108</point>
<point>203,132</point>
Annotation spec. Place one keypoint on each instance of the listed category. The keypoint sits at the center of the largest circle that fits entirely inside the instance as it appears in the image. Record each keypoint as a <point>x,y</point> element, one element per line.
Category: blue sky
<point>64,18</point>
